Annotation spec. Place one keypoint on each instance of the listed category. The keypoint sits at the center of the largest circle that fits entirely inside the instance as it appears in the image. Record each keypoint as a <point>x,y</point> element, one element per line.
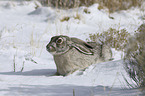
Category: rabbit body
<point>74,54</point>
<point>68,63</point>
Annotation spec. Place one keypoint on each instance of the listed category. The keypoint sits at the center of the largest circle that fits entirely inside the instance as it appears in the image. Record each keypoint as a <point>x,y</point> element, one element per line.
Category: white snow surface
<point>24,34</point>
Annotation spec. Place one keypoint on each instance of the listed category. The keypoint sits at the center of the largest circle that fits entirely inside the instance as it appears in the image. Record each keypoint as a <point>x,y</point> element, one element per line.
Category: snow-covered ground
<point>24,33</point>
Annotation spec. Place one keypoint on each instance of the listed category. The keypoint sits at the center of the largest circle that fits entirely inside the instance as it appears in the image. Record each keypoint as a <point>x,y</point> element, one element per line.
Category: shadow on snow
<point>37,72</point>
<point>67,90</point>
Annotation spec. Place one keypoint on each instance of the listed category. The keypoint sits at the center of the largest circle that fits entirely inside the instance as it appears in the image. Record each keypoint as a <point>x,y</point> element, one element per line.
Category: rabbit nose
<point>50,48</point>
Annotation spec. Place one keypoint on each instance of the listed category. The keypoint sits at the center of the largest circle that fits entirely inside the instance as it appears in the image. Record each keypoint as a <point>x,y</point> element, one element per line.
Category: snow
<point>24,33</point>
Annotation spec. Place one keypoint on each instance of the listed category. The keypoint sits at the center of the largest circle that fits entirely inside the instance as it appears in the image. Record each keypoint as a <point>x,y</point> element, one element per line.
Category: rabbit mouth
<point>51,49</point>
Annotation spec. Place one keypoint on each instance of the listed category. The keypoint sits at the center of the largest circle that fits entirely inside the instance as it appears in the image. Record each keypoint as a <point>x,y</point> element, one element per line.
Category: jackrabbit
<point>71,54</point>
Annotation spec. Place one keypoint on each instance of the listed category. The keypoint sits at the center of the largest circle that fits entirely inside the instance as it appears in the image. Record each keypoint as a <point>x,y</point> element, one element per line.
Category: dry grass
<point>112,5</point>
<point>65,19</point>
<point>114,38</point>
<point>117,5</point>
<point>77,16</point>
<point>135,57</point>
<point>86,11</point>
<point>67,3</point>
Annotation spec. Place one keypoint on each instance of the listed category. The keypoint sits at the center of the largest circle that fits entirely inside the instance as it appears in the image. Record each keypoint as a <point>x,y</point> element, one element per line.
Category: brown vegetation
<point>117,5</point>
<point>112,5</point>
<point>135,57</point>
<point>115,38</point>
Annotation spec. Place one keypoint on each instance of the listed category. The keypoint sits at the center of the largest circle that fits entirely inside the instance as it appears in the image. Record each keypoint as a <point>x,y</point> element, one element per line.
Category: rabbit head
<point>61,44</point>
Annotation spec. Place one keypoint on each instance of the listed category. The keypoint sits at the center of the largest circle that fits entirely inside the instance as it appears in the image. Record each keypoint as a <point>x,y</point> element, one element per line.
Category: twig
<point>14,64</point>
<point>23,66</point>
<point>73,92</point>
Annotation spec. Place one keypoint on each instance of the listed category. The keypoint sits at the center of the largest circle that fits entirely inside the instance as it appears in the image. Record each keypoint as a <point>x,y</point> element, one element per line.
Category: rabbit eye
<point>59,41</point>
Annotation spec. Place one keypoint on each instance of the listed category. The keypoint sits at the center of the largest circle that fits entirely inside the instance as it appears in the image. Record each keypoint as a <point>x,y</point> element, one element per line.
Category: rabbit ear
<point>82,46</point>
